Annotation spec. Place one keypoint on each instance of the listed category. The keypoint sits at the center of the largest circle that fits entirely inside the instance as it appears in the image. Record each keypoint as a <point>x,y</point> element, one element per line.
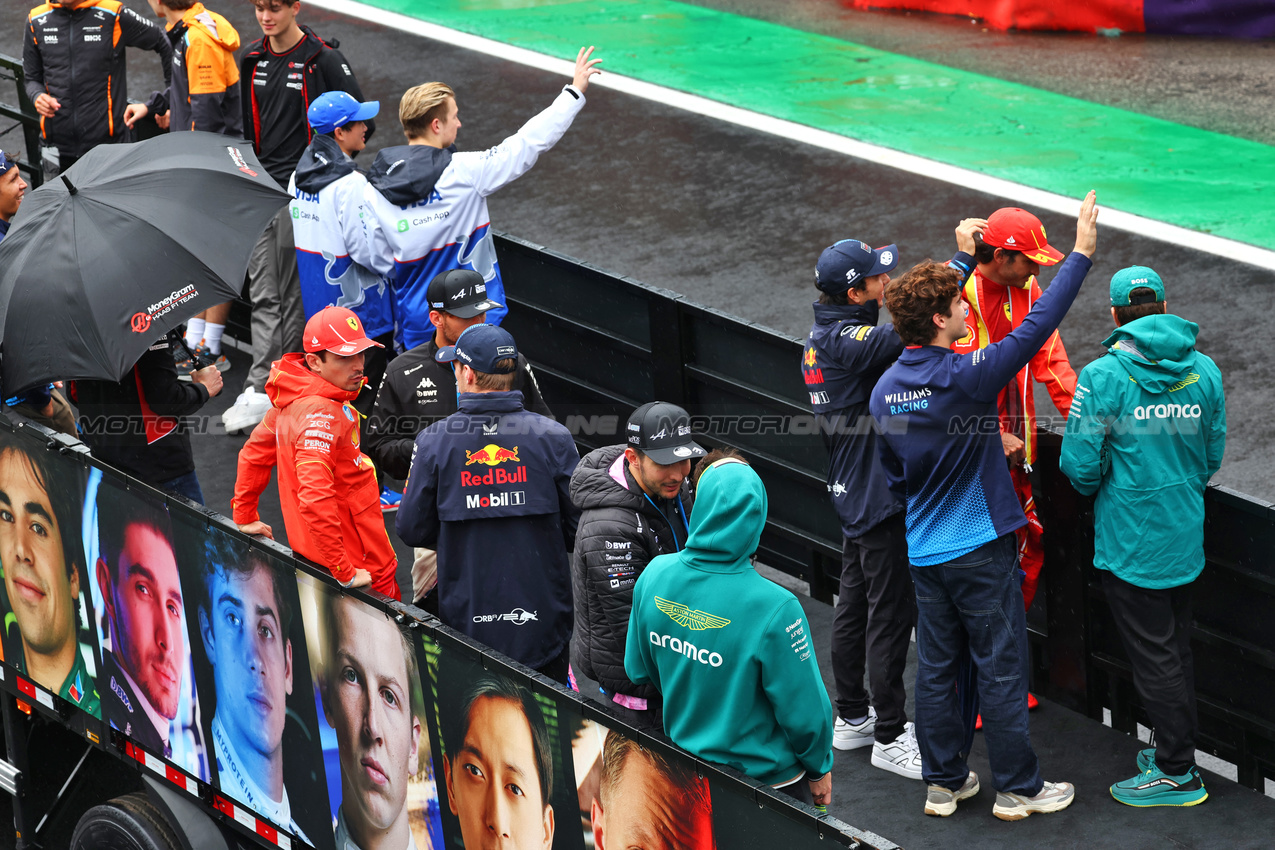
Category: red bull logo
<point>491,455</point>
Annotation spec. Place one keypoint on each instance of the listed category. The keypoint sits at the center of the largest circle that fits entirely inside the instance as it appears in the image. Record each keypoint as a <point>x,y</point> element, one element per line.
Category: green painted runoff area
<point>1194,178</point>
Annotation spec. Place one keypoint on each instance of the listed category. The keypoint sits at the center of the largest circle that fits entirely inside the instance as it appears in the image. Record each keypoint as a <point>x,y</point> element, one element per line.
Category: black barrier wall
<point>303,714</point>
<point>603,344</point>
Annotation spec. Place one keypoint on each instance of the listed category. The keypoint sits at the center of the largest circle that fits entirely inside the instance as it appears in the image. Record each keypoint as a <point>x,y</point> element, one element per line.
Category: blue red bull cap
<point>843,265</point>
<point>336,109</point>
<point>481,347</point>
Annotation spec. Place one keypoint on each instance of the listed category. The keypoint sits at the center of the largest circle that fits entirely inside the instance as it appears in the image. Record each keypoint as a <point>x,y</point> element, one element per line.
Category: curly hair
<point>913,300</point>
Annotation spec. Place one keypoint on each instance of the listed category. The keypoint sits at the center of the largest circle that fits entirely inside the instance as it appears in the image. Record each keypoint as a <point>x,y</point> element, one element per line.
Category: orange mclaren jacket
<point>995,311</point>
<point>327,486</point>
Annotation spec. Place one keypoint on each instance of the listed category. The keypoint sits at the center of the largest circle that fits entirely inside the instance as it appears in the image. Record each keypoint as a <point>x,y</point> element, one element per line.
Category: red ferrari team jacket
<point>327,486</point>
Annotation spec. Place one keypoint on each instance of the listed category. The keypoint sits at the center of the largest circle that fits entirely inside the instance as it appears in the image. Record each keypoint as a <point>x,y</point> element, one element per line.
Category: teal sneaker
<point>1152,787</point>
<point>1146,758</point>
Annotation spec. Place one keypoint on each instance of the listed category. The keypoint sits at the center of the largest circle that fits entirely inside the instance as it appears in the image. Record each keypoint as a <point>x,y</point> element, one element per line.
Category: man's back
<point>708,631</point>
<point>489,490</point>
<point>205,91</point>
<point>1148,429</point>
<point>429,210</point>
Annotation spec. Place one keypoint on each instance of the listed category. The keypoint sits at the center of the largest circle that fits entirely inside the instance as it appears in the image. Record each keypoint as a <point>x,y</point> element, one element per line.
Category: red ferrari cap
<point>1018,230</point>
<point>338,330</point>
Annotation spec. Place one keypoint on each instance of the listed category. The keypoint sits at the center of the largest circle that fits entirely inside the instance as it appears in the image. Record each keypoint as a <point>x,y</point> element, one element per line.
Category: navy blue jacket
<point>490,490</point>
<point>845,354</point>
<point>941,444</point>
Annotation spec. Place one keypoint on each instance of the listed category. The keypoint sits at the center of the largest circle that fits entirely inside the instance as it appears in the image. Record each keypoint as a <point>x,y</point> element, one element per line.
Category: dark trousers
<point>1155,628</point>
<point>558,667</point>
<point>971,609</point>
<point>872,626</point>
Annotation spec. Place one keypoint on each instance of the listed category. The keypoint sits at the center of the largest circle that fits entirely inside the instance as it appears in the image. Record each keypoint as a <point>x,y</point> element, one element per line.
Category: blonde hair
<point>421,105</point>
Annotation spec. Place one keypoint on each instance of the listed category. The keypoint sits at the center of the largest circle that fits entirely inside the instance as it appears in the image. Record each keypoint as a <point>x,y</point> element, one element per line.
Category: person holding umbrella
<point>73,254</point>
<point>136,424</point>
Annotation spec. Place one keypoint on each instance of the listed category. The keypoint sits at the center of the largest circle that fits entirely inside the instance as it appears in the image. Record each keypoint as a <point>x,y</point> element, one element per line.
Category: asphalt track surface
<point>734,219</point>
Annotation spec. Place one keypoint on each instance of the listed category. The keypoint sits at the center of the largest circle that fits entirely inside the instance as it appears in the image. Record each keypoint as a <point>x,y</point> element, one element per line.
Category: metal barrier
<point>24,113</point>
<point>603,344</point>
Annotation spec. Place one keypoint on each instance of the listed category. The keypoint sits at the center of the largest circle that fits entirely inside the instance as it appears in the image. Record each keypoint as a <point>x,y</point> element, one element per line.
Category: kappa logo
<point>425,383</point>
<point>696,621</point>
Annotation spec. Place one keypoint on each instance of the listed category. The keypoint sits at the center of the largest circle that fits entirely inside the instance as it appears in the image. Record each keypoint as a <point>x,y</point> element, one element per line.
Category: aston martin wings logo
<point>696,621</point>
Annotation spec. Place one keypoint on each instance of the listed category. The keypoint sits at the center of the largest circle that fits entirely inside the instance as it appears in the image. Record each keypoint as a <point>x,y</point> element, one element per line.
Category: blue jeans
<point>970,609</point>
<point>184,485</point>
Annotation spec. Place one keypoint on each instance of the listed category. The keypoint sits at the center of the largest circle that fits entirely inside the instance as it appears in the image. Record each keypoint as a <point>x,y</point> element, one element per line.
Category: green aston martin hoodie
<point>1146,431</point>
<point>730,650</point>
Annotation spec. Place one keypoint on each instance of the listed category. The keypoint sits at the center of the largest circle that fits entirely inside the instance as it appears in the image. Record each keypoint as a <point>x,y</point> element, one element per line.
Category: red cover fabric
<point>1088,16</point>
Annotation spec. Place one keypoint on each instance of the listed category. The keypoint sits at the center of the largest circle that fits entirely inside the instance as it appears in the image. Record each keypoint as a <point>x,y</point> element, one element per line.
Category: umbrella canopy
<point>128,244</point>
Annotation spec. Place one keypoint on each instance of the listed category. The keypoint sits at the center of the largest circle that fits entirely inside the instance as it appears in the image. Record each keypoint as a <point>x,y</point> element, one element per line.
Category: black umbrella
<point>129,243</point>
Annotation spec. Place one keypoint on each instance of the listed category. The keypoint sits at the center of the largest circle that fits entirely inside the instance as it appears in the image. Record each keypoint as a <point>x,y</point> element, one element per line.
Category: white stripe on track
<point>1025,195</point>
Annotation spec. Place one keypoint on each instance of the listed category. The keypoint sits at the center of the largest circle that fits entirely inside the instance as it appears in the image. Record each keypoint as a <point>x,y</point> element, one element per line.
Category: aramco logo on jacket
<point>694,620</point>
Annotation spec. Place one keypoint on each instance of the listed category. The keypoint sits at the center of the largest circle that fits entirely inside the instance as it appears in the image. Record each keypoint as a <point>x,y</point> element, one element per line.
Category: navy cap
<point>461,292</point>
<point>336,109</point>
<point>662,432</point>
<point>6,162</point>
<point>479,347</point>
<point>846,263</point>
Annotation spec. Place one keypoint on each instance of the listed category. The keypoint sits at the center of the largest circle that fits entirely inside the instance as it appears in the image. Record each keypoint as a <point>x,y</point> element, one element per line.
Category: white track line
<point>1026,195</point>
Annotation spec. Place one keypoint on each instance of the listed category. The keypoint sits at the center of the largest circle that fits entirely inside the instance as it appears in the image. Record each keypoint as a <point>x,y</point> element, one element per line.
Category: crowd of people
<point>628,566</point>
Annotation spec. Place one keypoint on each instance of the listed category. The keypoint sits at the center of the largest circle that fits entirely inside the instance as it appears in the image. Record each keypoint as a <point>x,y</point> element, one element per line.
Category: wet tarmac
<point>734,218</point>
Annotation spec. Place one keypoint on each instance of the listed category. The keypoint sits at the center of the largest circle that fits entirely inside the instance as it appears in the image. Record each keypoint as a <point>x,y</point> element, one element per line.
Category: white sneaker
<point>849,736</point>
<point>901,756</point>
<point>249,409</point>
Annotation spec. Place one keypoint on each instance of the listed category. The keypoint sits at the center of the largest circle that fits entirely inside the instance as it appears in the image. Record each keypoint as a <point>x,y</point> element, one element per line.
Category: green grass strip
<point>1193,178</point>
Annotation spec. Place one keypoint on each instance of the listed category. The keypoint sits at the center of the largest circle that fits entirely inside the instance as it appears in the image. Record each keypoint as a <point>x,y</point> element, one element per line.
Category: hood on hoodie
<point>291,380</point>
<point>321,164</point>
<point>1157,351</point>
<point>406,173</point>
<point>217,27</point>
<point>728,518</point>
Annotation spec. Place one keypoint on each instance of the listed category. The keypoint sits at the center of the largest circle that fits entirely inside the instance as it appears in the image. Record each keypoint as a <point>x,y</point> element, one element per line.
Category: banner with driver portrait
<point>306,715</point>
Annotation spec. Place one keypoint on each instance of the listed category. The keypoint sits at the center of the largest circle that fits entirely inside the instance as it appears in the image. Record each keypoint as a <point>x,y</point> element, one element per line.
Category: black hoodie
<point>322,164</point>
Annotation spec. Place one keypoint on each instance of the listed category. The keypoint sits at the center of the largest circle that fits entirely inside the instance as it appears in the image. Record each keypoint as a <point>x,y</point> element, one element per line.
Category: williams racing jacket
<point>429,211</point>
<point>77,56</point>
<point>940,442</point>
<point>489,490</point>
<point>327,227</point>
